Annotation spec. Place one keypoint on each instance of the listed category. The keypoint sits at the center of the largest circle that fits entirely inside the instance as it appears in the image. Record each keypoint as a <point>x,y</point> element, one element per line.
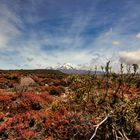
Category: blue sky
<point>43,33</point>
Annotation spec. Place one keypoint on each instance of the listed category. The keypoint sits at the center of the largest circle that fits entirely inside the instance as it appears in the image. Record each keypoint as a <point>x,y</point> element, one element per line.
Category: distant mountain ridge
<point>73,69</point>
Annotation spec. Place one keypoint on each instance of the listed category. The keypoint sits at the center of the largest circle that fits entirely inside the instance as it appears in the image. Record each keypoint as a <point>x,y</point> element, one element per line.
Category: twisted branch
<point>98,125</point>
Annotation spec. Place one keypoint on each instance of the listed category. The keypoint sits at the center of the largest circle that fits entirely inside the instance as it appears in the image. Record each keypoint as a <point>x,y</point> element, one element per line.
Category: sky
<point>45,33</point>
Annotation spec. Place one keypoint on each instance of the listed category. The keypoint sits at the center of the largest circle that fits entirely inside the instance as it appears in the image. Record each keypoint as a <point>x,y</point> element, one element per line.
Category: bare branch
<point>124,135</point>
<point>98,125</point>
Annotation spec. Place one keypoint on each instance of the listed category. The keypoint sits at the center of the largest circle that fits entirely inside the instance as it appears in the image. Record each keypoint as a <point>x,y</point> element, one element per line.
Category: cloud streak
<point>44,33</point>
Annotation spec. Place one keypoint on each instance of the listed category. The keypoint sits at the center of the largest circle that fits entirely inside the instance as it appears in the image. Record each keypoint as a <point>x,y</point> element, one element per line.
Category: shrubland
<point>73,107</point>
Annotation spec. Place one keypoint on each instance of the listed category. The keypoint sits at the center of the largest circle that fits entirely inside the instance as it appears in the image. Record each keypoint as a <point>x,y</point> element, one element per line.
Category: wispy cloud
<point>138,36</point>
<point>44,33</point>
<point>115,43</point>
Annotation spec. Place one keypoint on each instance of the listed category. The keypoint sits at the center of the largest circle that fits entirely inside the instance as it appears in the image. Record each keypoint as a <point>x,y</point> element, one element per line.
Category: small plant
<point>4,135</point>
<point>107,73</point>
<point>38,127</point>
<point>32,122</point>
<point>54,92</point>
<point>36,106</point>
<point>55,107</point>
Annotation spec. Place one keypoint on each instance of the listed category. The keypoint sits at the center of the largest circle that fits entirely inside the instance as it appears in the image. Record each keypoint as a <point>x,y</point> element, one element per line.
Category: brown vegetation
<point>70,107</point>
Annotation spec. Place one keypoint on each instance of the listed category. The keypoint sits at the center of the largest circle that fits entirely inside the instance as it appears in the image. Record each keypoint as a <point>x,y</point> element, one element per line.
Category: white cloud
<point>115,43</point>
<point>138,36</point>
<point>46,59</point>
<point>131,57</point>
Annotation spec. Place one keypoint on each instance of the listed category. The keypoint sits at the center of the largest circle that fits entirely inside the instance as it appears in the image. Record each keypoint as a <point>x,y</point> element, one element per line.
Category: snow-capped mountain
<point>67,66</point>
<point>72,69</point>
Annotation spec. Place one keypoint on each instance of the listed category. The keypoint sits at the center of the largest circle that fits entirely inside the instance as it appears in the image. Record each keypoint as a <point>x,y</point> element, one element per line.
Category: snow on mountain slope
<point>66,66</point>
<point>73,69</point>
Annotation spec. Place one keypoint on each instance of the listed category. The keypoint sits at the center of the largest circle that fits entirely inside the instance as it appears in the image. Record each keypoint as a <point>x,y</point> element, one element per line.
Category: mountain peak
<point>73,69</point>
<point>67,66</point>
